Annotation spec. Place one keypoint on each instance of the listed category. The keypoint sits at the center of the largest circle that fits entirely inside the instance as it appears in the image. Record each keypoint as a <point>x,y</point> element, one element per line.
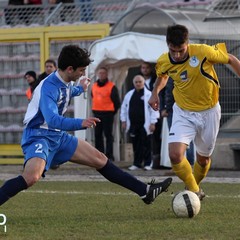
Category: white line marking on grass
<point>76,192</point>
<point>223,196</point>
<point>112,193</point>
<point>99,178</point>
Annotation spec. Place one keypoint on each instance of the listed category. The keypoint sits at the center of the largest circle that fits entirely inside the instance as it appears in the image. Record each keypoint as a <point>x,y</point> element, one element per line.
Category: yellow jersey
<point>196,85</point>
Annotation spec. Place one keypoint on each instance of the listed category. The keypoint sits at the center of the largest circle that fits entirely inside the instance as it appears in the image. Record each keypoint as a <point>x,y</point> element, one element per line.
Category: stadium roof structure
<point>210,22</point>
<point>138,47</point>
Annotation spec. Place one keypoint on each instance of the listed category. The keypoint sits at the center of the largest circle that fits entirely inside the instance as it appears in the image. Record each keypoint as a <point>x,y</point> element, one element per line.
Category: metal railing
<point>71,13</point>
<point>81,12</point>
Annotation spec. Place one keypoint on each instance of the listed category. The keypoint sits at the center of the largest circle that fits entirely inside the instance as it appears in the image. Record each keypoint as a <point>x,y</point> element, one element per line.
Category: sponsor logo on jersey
<point>183,76</point>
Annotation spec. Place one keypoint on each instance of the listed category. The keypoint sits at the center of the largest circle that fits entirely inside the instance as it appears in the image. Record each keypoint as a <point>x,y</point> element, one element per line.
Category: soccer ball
<point>186,204</point>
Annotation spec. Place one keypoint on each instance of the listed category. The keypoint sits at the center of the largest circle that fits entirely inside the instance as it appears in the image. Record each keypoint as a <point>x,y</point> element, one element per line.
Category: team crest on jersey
<point>193,61</point>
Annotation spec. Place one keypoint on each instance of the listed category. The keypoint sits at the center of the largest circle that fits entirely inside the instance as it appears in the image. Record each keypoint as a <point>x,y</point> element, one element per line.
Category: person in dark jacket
<point>31,78</point>
<point>50,66</point>
<point>105,104</point>
<point>139,119</point>
<point>146,70</point>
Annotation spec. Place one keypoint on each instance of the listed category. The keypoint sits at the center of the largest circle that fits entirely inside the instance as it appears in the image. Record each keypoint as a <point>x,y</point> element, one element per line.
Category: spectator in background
<point>33,81</point>
<point>139,119</point>
<point>33,2</point>
<point>31,78</point>
<point>149,75</point>
<point>105,104</point>
<point>50,66</point>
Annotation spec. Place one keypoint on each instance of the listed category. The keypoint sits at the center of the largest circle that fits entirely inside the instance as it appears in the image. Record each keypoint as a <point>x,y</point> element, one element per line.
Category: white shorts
<point>201,127</point>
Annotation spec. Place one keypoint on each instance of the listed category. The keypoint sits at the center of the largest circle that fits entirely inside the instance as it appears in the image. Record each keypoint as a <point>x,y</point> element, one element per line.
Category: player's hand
<point>154,102</point>
<point>152,127</point>
<point>84,82</point>
<point>90,122</point>
<point>164,113</point>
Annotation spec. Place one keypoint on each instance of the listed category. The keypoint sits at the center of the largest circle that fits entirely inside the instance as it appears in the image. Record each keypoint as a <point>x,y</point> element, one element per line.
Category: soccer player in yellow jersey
<point>196,112</point>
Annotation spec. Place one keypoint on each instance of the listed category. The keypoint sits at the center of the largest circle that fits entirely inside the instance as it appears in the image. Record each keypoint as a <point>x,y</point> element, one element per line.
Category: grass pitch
<point>105,211</point>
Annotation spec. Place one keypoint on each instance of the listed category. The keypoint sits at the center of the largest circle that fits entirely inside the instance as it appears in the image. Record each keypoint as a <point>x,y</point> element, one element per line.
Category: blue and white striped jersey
<point>49,103</point>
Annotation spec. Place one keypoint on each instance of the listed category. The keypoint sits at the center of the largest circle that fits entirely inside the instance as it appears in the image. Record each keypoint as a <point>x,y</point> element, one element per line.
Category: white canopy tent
<point>118,53</point>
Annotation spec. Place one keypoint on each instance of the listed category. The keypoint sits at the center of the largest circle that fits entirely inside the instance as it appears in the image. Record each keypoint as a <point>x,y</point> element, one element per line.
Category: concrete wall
<point>223,156</point>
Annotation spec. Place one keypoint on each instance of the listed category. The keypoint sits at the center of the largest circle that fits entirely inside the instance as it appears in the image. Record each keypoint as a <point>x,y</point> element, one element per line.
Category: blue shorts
<point>54,147</point>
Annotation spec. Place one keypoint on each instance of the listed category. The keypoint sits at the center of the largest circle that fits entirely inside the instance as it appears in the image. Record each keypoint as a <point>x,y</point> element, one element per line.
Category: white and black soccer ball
<point>186,204</point>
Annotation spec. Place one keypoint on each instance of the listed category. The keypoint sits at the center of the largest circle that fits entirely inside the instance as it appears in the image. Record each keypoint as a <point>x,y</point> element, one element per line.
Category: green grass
<point>101,210</point>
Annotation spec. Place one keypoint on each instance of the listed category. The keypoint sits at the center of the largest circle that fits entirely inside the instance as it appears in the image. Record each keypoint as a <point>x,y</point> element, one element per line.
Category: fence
<point>229,83</point>
<point>81,12</point>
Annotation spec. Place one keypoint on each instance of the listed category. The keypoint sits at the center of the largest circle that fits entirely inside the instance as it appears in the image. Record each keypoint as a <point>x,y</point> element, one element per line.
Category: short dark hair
<point>104,68</point>
<point>32,74</point>
<point>51,61</point>
<point>146,63</point>
<point>73,55</point>
<point>177,35</point>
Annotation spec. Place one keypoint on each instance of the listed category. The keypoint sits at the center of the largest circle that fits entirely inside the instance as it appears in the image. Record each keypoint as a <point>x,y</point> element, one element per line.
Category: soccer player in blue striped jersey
<point>45,141</point>
<point>196,112</point>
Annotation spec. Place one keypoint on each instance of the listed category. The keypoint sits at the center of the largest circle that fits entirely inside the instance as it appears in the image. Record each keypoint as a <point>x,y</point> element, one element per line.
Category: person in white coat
<point>139,119</point>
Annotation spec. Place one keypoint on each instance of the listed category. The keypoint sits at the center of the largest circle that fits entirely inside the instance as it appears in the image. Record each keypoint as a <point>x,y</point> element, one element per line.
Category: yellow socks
<point>199,171</point>
<point>184,171</point>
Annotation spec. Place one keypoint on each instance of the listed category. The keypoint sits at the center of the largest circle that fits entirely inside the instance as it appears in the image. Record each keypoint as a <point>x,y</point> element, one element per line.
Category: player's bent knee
<point>100,161</point>
<point>175,158</point>
<point>31,180</point>
<point>203,161</point>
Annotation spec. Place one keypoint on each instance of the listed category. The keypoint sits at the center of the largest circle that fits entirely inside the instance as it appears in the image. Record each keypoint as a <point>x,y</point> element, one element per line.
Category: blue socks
<point>124,179</point>
<point>11,187</point>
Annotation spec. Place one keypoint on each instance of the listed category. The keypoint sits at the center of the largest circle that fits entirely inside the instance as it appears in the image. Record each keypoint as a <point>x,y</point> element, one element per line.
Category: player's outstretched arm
<point>234,63</point>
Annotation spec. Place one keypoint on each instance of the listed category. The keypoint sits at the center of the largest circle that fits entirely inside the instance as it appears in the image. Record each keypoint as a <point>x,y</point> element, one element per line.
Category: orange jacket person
<point>105,103</point>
